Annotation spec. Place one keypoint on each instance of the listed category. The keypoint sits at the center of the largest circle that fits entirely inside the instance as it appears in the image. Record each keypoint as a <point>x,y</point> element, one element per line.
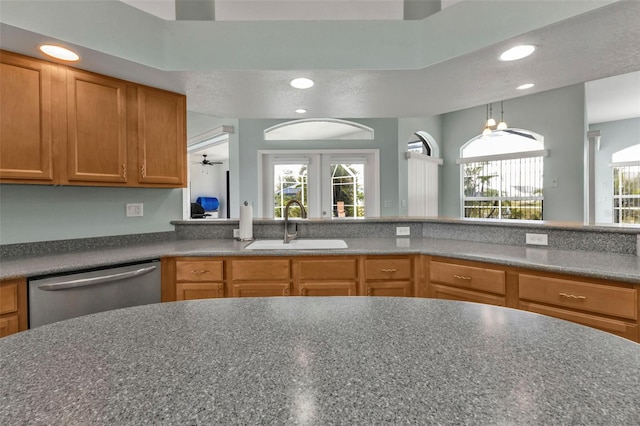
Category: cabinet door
<point>26,128</point>
<point>452,293</point>
<point>193,291</point>
<point>13,306</point>
<point>332,288</point>
<point>260,289</point>
<point>96,128</point>
<point>160,136</point>
<point>389,288</point>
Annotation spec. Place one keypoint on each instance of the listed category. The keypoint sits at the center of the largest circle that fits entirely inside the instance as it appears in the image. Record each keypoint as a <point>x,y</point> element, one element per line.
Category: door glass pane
<point>289,182</point>
<point>347,190</point>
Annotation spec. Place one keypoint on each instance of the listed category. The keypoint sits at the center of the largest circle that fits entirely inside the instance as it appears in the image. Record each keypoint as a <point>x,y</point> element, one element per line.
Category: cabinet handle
<point>220,292</point>
<point>143,170</point>
<point>201,271</point>
<point>124,171</point>
<point>286,291</point>
<point>572,296</point>
<point>389,270</point>
<point>462,277</point>
<point>369,292</point>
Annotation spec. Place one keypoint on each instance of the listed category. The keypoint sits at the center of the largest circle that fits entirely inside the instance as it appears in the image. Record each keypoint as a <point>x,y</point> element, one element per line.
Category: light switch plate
<point>537,239</point>
<point>134,210</point>
<point>402,231</point>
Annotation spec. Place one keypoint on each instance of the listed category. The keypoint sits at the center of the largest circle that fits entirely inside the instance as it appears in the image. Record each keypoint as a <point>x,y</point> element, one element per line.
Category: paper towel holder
<point>240,238</point>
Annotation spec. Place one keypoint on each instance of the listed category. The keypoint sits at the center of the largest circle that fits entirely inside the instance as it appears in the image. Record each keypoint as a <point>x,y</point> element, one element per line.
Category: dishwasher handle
<point>83,282</point>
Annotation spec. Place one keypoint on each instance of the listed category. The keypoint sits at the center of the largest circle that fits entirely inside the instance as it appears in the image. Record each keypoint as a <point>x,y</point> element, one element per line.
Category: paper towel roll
<point>246,222</point>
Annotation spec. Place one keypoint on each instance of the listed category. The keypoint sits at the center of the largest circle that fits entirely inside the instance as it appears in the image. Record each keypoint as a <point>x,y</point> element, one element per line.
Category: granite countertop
<point>316,361</point>
<point>591,264</point>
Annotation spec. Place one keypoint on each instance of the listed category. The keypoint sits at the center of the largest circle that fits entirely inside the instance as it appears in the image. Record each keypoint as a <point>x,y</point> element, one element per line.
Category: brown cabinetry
<point>389,276</point>
<point>13,306</point>
<point>66,126</point>
<point>326,277</point>
<point>610,307</point>
<point>260,277</point>
<point>157,120</point>
<point>467,282</point>
<point>96,128</point>
<point>26,128</point>
<point>199,279</point>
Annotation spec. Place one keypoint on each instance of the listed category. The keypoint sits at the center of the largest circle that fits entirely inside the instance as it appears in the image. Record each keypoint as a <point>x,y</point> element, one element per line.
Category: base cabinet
<point>13,306</point>
<point>606,305</point>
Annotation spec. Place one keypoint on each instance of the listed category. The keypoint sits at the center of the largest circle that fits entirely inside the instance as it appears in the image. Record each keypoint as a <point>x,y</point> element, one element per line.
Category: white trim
<point>361,127</point>
<point>499,157</point>
<point>625,164</point>
<point>414,155</point>
<point>317,160</point>
<point>209,138</point>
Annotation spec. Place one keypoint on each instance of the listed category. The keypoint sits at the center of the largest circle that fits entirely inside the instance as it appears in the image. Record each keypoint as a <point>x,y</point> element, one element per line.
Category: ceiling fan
<point>206,162</point>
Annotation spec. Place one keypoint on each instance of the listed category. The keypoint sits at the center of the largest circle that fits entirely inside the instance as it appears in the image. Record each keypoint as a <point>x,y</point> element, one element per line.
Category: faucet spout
<point>288,236</point>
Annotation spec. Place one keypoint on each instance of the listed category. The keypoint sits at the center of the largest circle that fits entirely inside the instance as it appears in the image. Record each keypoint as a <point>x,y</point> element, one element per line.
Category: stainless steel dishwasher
<point>61,297</point>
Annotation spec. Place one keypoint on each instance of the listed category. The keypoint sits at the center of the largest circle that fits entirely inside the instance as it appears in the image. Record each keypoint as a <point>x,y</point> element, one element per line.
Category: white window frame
<point>319,171</point>
<point>497,157</point>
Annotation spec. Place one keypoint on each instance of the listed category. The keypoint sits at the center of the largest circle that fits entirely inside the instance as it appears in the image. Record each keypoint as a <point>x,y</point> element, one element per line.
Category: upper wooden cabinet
<point>158,128</point>
<point>66,126</point>
<point>26,127</point>
<point>96,128</point>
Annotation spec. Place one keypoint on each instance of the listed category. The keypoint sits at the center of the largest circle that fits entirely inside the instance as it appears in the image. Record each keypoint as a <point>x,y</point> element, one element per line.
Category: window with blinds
<point>502,176</point>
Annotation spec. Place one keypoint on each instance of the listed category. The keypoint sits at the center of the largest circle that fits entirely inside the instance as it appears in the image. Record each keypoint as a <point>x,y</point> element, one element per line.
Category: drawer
<point>199,270</point>
<point>621,328</point>
<point>602,299</point>
<point>328,269</point>
<point>8,298</point>
<point>388,269</point>
<point>9,325</point>
<point>260,269</point>
<point>471,277</point>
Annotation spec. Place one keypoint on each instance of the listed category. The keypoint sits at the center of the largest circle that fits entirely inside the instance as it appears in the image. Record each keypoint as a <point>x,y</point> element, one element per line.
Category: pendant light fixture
<point>490,121</point>
<point>502,125</point>
<point>487,130</point>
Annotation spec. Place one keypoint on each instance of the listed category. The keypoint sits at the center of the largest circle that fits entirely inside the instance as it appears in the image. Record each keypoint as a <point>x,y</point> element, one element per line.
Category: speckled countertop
<point>318,361</point>
<point>591,264</point>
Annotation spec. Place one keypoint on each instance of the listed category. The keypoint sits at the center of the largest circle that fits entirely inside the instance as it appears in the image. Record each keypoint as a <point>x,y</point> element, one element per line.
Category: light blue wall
<point>31,213</point>
<point>614,136</point>
<point>559,116</point>
<point>251,139</point>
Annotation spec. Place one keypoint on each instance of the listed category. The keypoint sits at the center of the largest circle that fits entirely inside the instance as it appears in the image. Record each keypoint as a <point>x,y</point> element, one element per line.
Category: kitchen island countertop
<point>313,361</point>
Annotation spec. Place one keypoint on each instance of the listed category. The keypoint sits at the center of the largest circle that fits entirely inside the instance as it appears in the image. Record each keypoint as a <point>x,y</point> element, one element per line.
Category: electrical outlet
<point>537,239</point>
<point>134,210</point>
<point>403,231</point>
<point>236,233</point>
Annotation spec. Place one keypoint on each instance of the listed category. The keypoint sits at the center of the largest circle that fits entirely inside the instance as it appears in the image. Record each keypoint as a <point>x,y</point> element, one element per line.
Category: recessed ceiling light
<point>525,86</point>
<point>302,83</point>
<point>59,52</point>
<point>301,110</point>
<point>517,52</point>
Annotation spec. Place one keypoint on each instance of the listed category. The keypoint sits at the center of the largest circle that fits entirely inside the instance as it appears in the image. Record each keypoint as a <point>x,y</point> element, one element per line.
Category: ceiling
<point>443,63</point>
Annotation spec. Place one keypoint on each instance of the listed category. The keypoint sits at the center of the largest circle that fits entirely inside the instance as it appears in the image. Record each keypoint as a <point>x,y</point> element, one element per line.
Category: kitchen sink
<point>302,244</point>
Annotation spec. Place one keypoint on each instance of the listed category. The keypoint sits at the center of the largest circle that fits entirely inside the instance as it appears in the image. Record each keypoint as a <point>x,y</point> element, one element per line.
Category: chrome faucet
<point>303,213</point>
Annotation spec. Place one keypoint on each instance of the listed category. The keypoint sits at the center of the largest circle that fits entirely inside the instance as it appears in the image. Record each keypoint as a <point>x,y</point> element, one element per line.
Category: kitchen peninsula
<point>318,361</point>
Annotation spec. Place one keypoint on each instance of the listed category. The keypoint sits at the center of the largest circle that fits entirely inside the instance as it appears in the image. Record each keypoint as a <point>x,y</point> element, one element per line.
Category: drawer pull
<point>389,270</point>
<point>462,277</point>
<point>369,292</point>
<point>220,292</point>
<point>200,271</point>
<point>572,296</point>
